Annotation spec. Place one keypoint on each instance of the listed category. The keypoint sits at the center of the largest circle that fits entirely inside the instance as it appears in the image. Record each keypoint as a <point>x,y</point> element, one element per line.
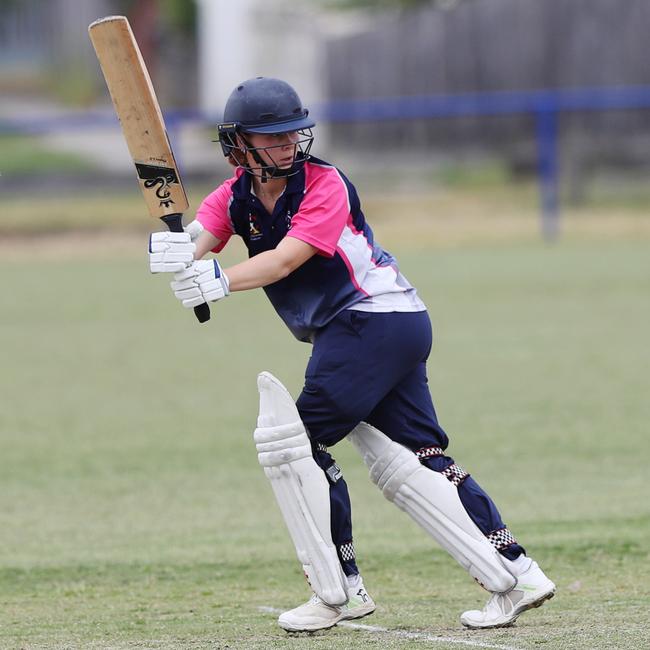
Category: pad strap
<point>501,538</point>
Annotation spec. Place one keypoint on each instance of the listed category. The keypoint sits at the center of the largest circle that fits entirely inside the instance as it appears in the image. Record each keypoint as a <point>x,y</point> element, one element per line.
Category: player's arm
<point>205,280</point>
<point>266,268</point>
<point>316,228</point>
<point>205,242</point>
<point>270,266</point>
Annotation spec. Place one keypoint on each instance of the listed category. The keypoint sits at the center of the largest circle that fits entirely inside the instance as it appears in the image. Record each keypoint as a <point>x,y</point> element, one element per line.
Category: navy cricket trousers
<point>371,367</point>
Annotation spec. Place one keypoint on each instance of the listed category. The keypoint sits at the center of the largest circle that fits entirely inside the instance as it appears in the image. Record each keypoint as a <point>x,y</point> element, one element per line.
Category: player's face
<point>275,149</point>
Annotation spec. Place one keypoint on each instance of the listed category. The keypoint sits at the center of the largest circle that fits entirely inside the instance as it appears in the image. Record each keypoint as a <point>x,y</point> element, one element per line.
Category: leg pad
<point>433,502</point>
<point>300,487</point>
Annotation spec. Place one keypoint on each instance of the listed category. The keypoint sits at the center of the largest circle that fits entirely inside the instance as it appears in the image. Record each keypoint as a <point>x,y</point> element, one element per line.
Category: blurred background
<point>537,109</point>
<point>501,149</point>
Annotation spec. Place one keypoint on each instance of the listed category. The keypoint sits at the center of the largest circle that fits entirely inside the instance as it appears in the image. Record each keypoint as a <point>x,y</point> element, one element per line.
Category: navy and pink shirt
<point>321,207</point>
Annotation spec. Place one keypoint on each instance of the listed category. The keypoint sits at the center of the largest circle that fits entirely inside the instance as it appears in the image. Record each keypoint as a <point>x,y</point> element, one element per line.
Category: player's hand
<point>202,281</point>
<point>173,251</point>
<point>170,251</point>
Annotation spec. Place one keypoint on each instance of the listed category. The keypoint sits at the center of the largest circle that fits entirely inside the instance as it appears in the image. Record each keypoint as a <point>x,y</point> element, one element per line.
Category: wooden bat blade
<point>142,123</point>
<point>137,108</point>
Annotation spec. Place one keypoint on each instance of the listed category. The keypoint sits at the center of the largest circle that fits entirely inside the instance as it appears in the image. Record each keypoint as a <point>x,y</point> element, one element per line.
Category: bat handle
<point>175,224</point>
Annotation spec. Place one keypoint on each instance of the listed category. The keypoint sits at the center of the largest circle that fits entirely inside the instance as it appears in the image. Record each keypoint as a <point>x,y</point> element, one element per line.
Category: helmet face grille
<point>231,141</point>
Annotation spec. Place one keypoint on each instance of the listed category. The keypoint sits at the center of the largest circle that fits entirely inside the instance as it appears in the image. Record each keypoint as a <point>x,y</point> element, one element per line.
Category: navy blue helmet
<point>268,106</point>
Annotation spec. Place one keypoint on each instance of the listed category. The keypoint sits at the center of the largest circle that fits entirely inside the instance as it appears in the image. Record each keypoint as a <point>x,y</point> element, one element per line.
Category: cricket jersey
<point>319,206</point>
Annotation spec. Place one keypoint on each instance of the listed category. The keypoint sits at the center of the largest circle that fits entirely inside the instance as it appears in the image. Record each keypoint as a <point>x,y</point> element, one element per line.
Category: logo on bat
<point>159,178</point>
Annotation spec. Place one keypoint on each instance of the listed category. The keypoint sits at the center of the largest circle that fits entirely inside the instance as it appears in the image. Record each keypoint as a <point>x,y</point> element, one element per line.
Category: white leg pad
<point>433,502</point>
<point>300,487</point>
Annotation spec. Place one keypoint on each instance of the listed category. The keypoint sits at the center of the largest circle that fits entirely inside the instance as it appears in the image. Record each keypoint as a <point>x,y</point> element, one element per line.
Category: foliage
<point>177,14</point>
<point>180,14</point>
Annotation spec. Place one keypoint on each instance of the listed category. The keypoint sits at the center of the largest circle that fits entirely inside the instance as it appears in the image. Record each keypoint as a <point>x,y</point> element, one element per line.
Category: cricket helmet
<point>267,106</point>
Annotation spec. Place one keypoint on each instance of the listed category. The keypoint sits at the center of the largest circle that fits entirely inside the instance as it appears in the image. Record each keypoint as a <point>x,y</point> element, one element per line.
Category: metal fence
<point>544,108</point>
<point>498,45</point>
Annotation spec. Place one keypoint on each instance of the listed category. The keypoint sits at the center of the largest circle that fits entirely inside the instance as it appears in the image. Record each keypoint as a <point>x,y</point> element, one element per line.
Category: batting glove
<point>202,281</point>
<point>173,251</point>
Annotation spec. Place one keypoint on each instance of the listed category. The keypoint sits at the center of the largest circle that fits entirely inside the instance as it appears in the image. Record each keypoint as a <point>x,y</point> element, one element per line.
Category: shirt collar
<point>243,185</point>
<point>296,183</point>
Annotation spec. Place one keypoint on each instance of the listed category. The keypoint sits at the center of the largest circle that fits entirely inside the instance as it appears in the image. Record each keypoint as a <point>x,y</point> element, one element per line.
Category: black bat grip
<point>175,224</point>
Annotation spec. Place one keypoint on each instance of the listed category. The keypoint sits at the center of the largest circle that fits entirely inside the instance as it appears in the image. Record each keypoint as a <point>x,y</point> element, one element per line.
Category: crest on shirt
<point>288,217</point>
<point>254,228</point>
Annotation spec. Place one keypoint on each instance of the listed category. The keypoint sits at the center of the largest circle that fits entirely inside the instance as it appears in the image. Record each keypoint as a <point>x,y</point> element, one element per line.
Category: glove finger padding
<point>191,297</point>
<point>187,282</point>
<point>213,290</point>
<point>166,267</point>
<point>171,237</point>
<point>170,261</point>
<point>157,248</point>
<point>202,281</point>
<point>170,251</point>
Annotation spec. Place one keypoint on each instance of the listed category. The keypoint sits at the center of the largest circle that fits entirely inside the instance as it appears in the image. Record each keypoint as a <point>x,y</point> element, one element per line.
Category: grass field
<point>133,513</point>
<point>24,155</point>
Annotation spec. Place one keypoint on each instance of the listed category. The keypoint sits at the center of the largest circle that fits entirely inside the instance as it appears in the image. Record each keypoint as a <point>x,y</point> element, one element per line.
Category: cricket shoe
<point>533,588</point>
<point>317,615</point>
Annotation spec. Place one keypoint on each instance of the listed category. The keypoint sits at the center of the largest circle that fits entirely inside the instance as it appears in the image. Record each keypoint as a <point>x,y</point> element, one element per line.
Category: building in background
<point>196,50</point>
<point>238,40</point>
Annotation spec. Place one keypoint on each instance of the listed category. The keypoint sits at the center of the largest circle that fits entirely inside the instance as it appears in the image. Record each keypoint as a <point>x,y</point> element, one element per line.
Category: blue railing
<point>488,103</point>
<point>545,105</point>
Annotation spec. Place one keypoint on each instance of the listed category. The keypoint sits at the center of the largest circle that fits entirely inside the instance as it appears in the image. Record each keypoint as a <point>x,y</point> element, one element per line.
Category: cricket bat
<point>142,123</point>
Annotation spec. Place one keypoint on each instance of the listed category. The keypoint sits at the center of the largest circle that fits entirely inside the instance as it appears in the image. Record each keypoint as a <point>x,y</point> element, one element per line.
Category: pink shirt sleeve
<point>324,211</point>
<point>213,213</point>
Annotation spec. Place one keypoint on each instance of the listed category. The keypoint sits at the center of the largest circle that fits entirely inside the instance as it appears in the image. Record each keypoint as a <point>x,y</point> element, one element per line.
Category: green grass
<point>23,154</point>
<point>434,215</point>
<point>133,513</point>
<point>120,207</point>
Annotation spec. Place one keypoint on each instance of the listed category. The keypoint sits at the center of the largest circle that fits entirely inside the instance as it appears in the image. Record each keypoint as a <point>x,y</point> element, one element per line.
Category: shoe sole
<point>357,617</point>
<point>341,619</point>
<point>534,605</point>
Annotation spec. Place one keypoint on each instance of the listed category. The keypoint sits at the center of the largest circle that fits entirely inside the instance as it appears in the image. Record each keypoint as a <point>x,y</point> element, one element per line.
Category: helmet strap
<point>258,159</point>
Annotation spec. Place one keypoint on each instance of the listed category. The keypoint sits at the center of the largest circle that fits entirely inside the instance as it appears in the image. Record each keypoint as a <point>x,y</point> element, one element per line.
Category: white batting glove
<point>202,281</point>
<point>173,251</point>
<point>194,229</point>
<point>170,251</point>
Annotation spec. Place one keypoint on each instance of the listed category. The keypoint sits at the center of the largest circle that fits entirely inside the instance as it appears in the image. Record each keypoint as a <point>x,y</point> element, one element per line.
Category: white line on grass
<point>406,635</point>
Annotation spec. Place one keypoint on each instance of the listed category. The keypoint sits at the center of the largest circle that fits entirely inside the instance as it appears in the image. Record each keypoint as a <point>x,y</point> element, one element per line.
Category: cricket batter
<point>312,251</point>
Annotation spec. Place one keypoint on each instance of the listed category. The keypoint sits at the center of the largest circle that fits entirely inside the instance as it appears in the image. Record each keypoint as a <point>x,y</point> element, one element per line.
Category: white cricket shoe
<point>533,588</point>
<point>316,615</point>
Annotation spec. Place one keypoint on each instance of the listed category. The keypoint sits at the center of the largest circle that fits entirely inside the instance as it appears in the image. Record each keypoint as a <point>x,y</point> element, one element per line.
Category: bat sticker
<point>160,178</point>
